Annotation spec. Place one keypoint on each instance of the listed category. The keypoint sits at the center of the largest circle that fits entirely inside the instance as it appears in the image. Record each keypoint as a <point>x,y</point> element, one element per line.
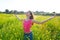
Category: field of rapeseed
<point>12,29</point>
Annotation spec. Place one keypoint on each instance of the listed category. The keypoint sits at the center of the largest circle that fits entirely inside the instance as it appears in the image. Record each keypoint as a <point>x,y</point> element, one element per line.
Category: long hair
<point>31,17</point>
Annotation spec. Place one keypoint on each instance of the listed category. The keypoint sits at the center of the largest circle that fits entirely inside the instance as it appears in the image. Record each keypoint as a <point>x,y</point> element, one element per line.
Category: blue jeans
<point>28,36</point>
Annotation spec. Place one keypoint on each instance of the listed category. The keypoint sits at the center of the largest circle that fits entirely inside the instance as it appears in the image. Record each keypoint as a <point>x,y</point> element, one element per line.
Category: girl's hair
<point>31,17</point>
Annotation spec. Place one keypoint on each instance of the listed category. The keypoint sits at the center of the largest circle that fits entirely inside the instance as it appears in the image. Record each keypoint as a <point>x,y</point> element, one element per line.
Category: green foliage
<point>12,29</point>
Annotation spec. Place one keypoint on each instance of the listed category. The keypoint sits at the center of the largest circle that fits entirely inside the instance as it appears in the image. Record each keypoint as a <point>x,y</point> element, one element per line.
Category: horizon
<point>33,5</point>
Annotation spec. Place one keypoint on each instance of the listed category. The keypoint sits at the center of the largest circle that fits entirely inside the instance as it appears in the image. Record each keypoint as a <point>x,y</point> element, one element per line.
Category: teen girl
<point>28,22</point>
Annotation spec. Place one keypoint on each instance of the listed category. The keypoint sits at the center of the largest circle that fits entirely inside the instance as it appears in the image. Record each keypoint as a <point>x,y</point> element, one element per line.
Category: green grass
<point>12,29</point>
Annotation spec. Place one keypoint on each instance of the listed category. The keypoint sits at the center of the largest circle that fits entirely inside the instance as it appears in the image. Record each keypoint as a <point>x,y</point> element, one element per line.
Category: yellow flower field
<point>12,29</point>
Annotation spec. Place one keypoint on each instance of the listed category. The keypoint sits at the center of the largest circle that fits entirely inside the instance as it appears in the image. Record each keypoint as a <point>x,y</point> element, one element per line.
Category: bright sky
<point>33,5</point>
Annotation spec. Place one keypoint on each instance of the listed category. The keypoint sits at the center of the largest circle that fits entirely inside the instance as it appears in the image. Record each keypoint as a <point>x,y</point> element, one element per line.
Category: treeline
<point>46,13</point>
<point>12,12</point>
<point>36,12</point>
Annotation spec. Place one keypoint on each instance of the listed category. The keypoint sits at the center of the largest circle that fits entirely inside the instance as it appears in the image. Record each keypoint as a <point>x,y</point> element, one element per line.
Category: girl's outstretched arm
<point>44,20</point>
<point>18,18</point>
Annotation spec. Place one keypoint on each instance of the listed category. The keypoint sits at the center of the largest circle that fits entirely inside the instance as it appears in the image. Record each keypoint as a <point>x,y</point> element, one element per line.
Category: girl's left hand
<point>54,15</point>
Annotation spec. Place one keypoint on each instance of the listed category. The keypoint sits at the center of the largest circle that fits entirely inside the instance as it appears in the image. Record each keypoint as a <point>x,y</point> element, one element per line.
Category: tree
<point>11,11</point>
<point>0,11</point>
<point>36,12</point>
<point>22,12</point>
<point>6,11</point>
<point>53,12</point>
<point>15,11</point>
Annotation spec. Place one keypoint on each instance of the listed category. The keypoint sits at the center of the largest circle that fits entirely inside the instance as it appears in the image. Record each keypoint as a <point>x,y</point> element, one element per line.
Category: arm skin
<point>18,18</point>
<point>44,20</point>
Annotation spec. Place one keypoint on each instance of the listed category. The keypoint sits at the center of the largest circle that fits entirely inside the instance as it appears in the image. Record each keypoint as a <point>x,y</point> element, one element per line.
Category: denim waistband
<point>27,33</point>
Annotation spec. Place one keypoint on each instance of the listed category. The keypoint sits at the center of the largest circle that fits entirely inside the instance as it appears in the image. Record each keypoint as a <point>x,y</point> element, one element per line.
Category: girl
<point>28,22</point>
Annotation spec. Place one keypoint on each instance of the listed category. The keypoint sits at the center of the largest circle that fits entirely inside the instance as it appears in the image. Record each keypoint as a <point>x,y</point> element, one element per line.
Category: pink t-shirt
<point>27,25</point>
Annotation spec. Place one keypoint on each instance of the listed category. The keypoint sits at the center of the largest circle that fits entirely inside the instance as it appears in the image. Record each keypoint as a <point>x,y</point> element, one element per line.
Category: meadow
<point>12,29</point>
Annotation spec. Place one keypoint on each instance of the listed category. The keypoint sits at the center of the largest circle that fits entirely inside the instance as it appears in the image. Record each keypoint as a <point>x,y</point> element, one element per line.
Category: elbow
<point>40,23</point>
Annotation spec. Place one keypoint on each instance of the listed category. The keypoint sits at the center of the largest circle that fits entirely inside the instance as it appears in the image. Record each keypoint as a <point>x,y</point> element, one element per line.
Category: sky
<point>33,5</point>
